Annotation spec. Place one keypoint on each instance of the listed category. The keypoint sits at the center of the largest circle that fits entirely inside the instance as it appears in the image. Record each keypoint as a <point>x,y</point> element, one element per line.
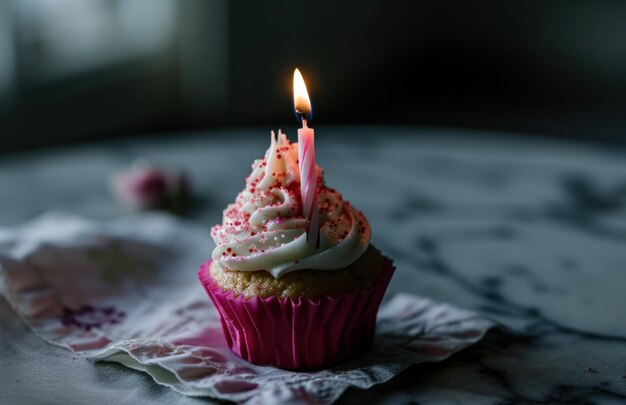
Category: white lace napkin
<point>126,291</point>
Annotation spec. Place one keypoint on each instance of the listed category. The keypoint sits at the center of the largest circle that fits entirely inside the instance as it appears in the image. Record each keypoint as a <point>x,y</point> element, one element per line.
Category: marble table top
<point>531,233</point>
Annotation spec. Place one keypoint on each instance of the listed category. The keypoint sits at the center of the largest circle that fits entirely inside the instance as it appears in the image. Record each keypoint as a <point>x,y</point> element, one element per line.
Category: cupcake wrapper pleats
<point>300,333</point>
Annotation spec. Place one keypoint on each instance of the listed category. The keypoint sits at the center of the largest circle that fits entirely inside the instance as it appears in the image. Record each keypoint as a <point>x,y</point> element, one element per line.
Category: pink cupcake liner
<point>300,333</point>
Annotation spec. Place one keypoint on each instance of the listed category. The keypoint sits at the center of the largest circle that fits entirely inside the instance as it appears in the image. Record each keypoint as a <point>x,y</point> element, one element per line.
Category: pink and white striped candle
<point>306,159</point>
<point>308,181</point>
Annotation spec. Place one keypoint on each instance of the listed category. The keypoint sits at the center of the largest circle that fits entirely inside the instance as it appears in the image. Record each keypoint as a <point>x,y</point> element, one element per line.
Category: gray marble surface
<point>530,233</point>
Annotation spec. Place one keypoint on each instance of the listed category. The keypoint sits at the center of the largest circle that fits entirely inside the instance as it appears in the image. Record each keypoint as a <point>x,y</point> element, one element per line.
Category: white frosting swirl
<point>265,229</point>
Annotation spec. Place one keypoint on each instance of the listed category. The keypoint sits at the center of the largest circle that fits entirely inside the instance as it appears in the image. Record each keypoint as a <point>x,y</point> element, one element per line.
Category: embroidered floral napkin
<point>126,291</point>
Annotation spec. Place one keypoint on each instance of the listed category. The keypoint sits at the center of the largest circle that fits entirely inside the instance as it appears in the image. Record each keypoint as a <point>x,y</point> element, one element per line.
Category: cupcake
<point>281,301</point>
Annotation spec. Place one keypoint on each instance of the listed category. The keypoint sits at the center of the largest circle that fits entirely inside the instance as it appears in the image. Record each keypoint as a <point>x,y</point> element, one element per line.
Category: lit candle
<point>306,159</point>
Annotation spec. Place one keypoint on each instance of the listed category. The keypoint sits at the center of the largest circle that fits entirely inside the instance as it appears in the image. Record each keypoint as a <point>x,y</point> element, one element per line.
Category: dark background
<point>78,70</point>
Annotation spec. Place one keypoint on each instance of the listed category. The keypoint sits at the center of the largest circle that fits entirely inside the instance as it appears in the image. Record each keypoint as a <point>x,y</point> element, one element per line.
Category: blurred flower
<point>145,186</point>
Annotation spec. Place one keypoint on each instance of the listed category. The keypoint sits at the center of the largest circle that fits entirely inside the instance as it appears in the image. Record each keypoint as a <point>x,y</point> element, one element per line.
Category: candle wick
<point>302,115</point>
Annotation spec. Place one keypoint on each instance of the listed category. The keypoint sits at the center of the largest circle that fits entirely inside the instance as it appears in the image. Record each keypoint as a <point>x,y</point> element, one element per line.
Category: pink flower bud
<point>145,186</point>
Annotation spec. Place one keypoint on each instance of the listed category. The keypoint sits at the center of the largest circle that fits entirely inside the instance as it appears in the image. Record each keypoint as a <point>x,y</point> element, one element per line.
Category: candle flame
<point>301,101</point>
